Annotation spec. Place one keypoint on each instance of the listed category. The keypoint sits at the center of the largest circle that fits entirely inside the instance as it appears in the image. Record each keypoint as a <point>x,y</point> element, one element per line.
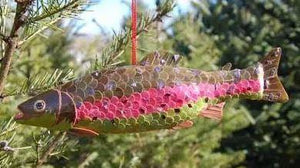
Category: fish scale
<point>155,94</point>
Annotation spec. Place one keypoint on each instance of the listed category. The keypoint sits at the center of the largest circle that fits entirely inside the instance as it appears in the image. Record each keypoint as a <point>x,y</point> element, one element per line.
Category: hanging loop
<point>133,31</point>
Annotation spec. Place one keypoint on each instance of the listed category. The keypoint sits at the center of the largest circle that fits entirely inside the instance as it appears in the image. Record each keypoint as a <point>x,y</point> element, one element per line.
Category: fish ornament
<point>155,94</point>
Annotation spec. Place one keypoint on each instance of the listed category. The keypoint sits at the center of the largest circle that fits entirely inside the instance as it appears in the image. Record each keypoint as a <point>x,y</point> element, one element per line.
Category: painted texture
<point>157,120</point>
<point>159,100</point>
<point>125,99</point>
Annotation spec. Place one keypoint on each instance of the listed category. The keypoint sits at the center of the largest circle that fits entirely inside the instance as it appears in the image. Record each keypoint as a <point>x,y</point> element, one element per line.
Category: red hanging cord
<point>134,31</point>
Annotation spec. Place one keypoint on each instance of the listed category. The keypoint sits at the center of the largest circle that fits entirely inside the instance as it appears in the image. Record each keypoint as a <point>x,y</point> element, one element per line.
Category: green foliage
<point>111,53</point>
<point>44,14</point>
<point>245,31</point>
<point>41,82</point>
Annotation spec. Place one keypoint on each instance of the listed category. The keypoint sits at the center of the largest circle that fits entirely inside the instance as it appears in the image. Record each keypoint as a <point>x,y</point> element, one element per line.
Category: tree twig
<point>31,36</point>
<point>43,16</point>
<point>3,37</point>
<point>12,40</point>
<point>50,149</point>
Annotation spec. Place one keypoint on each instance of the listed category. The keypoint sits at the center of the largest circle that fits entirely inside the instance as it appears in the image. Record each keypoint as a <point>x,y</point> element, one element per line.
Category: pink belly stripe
<point>158,100</point>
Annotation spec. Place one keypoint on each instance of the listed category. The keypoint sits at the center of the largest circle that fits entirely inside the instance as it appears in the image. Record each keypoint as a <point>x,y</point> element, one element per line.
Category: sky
<point>110,13</point>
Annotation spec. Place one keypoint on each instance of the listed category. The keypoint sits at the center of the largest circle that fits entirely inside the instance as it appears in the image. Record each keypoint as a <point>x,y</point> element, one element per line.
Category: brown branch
<point>12,40</point>
<point>50,149</point>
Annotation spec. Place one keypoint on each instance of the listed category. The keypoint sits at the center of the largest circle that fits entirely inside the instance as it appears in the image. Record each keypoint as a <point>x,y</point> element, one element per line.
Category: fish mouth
<point>20,115</point>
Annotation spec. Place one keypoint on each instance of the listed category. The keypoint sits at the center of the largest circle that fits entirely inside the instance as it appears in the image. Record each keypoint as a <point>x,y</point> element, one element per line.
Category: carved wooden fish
<point>156,94</point>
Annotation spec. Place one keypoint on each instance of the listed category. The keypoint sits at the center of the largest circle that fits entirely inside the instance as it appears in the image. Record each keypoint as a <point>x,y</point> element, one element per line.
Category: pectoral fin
<point>83,132</point>
<point>213,111</point>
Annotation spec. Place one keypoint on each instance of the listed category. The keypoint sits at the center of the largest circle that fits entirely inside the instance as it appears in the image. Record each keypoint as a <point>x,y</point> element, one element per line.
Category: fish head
<point>50,109</point>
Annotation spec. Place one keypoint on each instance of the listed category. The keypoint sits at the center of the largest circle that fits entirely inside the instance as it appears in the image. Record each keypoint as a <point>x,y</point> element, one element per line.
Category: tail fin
<point>273,89</point>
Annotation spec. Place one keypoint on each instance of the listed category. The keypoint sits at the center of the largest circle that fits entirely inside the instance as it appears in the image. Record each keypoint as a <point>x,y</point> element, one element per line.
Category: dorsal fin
<point>160,58</point>
<point>227,67</point>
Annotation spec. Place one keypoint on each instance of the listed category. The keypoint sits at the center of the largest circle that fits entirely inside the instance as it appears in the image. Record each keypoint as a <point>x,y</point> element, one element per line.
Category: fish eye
<point>39,105</point>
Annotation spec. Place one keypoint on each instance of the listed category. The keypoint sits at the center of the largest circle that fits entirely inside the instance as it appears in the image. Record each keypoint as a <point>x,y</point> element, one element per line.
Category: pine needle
<point>41,82</point>
<point>120,41</point>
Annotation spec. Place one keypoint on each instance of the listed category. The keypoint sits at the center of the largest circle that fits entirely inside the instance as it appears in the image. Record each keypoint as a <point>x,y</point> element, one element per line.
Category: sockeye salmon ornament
<point>155,94</point>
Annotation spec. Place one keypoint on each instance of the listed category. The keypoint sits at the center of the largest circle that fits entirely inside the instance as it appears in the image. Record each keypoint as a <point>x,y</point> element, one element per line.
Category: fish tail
<point>273,89</point>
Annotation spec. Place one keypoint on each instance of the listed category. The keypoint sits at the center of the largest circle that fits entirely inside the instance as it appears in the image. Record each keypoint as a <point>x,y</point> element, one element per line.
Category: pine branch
<point>58,138</point>
<point>40,82</point>
<point>45,14</point>
<point>57,9</point>
<point>7,134</point>
<point>26,16</point>
<point>32,35</point>
<point>12,41</point>
<point>121,41</point>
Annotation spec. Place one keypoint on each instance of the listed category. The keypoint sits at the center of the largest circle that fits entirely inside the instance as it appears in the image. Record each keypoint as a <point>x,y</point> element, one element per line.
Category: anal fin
<point>213,111</point>
<point>184,124</point>
<point>83,132</point>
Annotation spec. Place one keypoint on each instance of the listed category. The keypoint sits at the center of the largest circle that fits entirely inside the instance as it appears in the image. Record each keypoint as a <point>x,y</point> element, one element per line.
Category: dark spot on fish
<point>138,71</point>
<point>163,105</point>
<point>142,111</point>
<point>206,99</point>
<point>124,101</point>
<point>113,122</point>
<point>156,54</point>
<point>96,74</point>
<point>167,94</point>
<point>190,106</point>
<point>94,118</point>
<point>177,110</point>
<point>176,57</point>
<point>248,88</point>
<point>163,117</point>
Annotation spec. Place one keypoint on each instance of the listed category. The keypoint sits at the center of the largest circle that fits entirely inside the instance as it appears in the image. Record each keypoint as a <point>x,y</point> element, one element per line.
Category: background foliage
<point>212,33</point>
